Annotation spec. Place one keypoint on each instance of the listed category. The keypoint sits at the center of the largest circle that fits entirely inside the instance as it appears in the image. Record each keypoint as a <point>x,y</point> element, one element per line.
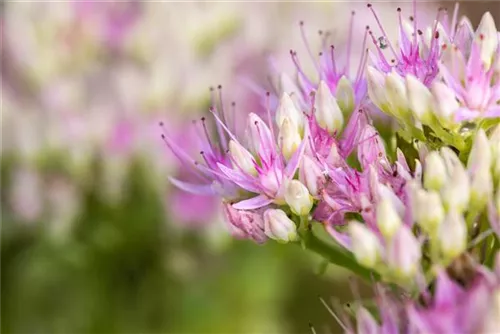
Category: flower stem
<point>335,255</point>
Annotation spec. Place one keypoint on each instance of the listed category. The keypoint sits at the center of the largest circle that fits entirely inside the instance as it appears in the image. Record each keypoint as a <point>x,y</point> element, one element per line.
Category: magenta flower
<point>414,54</point>
<point>231,170</point>
<point>349,88</point>
<point>458,309</point>
<point>472,74</point>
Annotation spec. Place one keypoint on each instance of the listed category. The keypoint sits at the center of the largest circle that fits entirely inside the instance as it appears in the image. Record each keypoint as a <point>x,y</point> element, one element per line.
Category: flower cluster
<point>88,81</point>
<point>471,306</point>
<point>403,208</point>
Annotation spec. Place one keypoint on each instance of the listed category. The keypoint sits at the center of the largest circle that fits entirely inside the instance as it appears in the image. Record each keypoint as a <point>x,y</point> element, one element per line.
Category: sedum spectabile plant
<point>416,212</point>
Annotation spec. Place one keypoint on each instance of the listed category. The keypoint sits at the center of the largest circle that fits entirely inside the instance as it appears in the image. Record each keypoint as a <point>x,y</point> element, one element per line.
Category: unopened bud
<point>388,220</point>
<point>450,159</point>
<point>298,198</point>
<point>452,235</point>
<point>396,94</point>
<point>242,157</point>
<point>420,99</point>
<point>435,171</point>
<point>404,254</point>
<point>365,244</point>
<point>287,109</point>
<point>328,113</point>
<point>480,154</point>
<point>345,96</point>
<point>278,226</point>
<point>487,37</point>
<point>481,187</point>
<point>445,103</point>
<point>456,192</point>
<point>427,210</point>
<point>495,150</point>
<point>376,89</point>
<point>311,175</point>
<point>289,137</point>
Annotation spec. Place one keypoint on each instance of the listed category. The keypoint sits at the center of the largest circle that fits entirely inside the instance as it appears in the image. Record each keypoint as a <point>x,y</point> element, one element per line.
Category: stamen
<point>334,64</point>
<point>223,125</point>
<point>308,48</point>
<point>181,155</point>
<point>383,30</point>
<point>302,75</point>
<point>454,20</point>
<point>349,44</point>
<point>362,61</point>
<point>268,110</point>
<point>205,130</point>
<point>414,18</point>
<point>233,113</point>
<point>380,53</point>
<point>362,66</point>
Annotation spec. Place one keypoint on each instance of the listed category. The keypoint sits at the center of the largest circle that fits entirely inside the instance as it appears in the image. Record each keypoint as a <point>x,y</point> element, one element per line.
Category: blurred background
<point>94,238</point>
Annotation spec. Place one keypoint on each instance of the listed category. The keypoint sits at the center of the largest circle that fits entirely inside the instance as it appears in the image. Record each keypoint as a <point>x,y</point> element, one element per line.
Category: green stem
<point>336,255</point>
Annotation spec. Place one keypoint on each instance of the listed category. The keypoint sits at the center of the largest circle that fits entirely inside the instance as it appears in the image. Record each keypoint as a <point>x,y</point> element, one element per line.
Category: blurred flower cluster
<point>87,82</point>
<point>416,207</point>
<point>90,240</point>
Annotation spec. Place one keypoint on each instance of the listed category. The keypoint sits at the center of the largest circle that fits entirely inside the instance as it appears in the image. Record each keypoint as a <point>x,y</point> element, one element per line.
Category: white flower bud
<point>487,37</point>
<point>345,95</point>
<point>404,254</point>
<point>450,160</point>
<point>456,192</point>
<point>420,99</point>
<point>242,157</point>
<point>427,210</point>
<point>278,226</point>
<point>310,174</point>
<point>479,165</point>
<point>298,198</point>
<point>435,171</point>
<point>445,103</point>
<point>495,151</point>
<point>452,235</point>
<point>396,94</point>
<point>481,187</point>
<point>365,244</point>
<point>289,138</point>
<point>328,114</point>
<point>376,89</point>
<point>480,154</point>
<point>388,220</point>
<point>287,109</point>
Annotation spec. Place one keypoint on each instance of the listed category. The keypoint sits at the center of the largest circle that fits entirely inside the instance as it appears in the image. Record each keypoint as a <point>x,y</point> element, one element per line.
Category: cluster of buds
<point>455,307</point>
<point>316,157</point>
<point>463,90</point>
<point>446,204</point>
<point>276,176</point>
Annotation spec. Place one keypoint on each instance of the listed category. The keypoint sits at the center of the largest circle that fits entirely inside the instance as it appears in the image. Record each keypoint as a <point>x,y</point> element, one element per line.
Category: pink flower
<point>472,73</point>
<point>414,54</point>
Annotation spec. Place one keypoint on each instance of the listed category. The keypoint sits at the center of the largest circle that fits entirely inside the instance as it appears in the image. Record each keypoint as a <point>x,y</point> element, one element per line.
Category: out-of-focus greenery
<point>124,268</point>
